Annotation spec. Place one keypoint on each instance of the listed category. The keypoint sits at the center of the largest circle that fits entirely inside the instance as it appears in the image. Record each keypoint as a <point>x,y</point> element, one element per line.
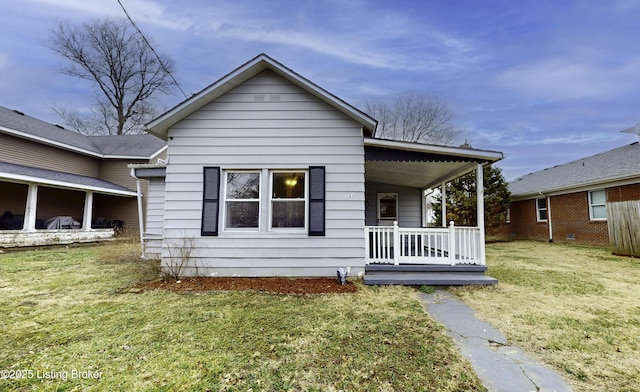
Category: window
<point>242,200</point>
<point>597,205</point>
<point>293,200</point>
<point>541,210</point>
<point>387,206</point>
<point>288,200</point>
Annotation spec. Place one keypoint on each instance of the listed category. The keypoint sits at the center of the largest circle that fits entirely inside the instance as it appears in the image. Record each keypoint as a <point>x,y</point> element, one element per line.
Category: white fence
<point>451,245</point>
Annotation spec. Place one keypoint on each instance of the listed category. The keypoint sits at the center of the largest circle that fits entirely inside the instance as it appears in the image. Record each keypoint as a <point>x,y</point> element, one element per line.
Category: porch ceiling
<point>415,174</point>
<point>420,165</point>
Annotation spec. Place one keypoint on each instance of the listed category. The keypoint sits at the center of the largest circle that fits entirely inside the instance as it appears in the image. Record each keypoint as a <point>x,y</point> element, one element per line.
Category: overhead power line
<point>152,49</point>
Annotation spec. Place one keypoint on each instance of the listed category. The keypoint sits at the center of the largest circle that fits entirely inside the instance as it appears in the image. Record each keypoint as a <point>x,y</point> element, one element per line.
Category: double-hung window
<point>597,205</point>
<point>263,200</point>
<point>242,200</point>
<point>541,210</point>
<point>288,200</point>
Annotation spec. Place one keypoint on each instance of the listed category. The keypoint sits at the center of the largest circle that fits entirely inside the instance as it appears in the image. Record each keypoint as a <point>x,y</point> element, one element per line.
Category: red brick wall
<point>623,193</point>
<point>524,223</point>
<point>569,218</point>
<point>571,223</point>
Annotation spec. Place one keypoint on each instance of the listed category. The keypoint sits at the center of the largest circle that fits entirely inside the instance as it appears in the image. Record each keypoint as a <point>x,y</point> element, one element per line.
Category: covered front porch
<point>403,245</point>
<point>45,207</point>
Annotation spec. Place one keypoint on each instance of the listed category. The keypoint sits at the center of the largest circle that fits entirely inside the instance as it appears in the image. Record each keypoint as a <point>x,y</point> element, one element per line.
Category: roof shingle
<point>617,164</point>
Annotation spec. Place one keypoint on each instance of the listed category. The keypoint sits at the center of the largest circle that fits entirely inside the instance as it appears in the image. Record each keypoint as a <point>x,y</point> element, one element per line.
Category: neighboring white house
<point>267,174</point>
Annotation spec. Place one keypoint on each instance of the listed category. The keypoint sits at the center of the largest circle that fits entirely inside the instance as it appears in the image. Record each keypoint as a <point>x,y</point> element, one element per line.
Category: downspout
<point>549,219</point>
<point>140,214</point>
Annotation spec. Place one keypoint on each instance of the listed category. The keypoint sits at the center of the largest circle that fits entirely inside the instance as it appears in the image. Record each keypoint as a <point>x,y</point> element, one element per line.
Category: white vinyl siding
<point>409,207</point>
<point>268,124</point>
<point>597,205</point>
<point>155,218</point>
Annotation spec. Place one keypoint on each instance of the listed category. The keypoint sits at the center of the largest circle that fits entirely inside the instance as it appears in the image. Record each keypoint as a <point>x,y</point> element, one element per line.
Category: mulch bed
<point>265,285</point>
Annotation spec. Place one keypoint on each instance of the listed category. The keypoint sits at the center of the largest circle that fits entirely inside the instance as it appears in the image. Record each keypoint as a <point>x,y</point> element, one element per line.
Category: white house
<point>268,174</point>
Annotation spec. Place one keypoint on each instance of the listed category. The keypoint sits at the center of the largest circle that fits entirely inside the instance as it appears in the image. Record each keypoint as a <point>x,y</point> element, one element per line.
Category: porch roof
<point>31,175</point>
<point>420,165</point>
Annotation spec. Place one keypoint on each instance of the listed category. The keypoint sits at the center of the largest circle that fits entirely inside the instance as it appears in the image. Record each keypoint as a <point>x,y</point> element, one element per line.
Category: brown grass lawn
<point>74,310</point>
<point>576,308</point>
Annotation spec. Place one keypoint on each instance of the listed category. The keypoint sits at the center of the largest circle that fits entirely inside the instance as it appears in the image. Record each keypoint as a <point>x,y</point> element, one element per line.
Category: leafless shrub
<point>180,251</point>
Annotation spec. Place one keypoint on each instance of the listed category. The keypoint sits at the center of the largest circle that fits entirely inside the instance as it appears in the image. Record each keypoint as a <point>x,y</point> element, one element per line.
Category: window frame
<point>395,198</point>
<point>592,204</point>
<point>271,198</point>
<point>545,209</point>
<point>225,211</point>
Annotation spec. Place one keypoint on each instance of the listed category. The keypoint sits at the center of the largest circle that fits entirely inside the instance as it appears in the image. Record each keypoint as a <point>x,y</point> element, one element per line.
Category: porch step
<point>428,275</point>
<point>424,268</point>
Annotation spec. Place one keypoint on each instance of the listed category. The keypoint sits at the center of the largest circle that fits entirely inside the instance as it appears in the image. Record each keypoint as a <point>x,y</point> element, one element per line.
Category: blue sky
<point>546,82</point>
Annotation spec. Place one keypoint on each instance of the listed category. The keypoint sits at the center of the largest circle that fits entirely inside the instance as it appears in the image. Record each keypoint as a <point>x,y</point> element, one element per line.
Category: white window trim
<point>306,202</point>
<point>591,205</point>
<point>538,209</point>
<point>225,200</point>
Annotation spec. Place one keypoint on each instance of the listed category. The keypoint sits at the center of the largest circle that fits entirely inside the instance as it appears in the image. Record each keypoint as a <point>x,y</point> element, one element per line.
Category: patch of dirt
<point>264,285</point>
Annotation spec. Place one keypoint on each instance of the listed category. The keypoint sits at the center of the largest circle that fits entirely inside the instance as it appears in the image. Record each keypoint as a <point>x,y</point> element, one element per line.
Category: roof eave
<point>579,187</point>
<point>64,184</point>
<point>483,155</point>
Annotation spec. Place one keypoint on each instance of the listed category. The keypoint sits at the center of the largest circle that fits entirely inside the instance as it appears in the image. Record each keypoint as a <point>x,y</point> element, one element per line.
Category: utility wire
<point>153,50</point>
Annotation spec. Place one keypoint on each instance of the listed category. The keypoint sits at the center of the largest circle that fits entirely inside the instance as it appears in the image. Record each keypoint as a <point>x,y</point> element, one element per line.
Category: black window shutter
<point>316,200</point>
<point>210,201</point>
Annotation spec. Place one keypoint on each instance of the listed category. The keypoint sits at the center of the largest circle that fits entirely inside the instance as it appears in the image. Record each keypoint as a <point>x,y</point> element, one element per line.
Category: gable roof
<point>619,164</point>
<point>21,125</point>
<point>160,125</point>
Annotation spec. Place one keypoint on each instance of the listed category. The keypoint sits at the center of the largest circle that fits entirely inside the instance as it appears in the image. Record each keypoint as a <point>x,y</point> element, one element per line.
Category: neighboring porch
<point>400,245</point>
<point>44,207</point>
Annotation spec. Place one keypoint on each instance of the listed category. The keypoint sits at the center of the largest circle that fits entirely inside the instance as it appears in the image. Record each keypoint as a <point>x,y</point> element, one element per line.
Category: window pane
<point>388,207</point>
<point>287,214</point>
<point>599,212</point>
<point>242,214</point>
<point>243,185</point>
<point>542,215</point>
<point>288,185</point>
<point>598,197</point>
<point>542,204</point>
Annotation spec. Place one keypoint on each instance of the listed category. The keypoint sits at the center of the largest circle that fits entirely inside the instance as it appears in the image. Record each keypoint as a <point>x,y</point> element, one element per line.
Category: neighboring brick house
<point>568,203</point>
<point>49,172</point>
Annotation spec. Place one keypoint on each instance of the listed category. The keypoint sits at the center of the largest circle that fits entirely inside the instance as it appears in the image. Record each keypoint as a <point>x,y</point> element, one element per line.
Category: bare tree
<point>124,68</point>
<point>414,118</point>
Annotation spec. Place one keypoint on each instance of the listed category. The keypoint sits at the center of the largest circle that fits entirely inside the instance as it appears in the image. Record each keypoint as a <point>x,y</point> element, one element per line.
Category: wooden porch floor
<point>429,275</point>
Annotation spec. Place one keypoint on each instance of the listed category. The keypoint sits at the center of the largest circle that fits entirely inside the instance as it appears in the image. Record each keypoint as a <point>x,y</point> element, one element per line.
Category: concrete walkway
<point>501,367</point>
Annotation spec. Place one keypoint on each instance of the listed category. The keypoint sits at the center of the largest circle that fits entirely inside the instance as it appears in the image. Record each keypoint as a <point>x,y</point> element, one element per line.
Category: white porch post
<point>452,243</point>
<point>480,209</point>
<point>396,243</point>
<point>30,209</point>
<point>443,192</point>
<point>88,211</point>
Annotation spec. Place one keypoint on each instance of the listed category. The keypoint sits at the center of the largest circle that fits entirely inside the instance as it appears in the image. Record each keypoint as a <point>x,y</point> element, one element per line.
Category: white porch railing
<point>433,245</point>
